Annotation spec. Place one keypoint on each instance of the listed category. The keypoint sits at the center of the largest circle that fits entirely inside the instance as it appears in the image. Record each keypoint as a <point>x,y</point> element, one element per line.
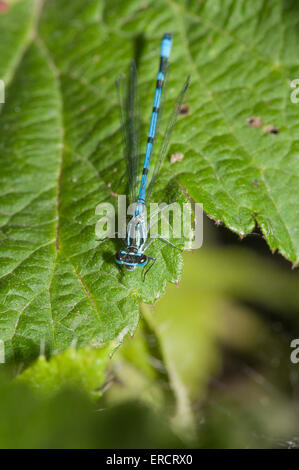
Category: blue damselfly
<point>137,237</point>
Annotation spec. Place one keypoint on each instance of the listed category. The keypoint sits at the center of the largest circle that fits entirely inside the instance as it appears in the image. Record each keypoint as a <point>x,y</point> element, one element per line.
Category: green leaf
<point>82,369</point>
<point>61,151</point>
<point>242,56</point>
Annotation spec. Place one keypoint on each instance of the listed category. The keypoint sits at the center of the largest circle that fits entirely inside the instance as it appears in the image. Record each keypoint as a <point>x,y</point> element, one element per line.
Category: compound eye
<point>142,259</point>
<point>118,255</point>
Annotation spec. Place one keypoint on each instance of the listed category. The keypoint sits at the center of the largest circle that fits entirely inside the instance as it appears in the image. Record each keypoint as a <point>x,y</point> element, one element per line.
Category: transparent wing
<point>165,141</point>
<point>130,123</point>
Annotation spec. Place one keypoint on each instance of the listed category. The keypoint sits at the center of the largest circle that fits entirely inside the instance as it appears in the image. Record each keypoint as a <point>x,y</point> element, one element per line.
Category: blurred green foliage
<point>208,367</point>
<point>71,420</point>
<point>220,345</point>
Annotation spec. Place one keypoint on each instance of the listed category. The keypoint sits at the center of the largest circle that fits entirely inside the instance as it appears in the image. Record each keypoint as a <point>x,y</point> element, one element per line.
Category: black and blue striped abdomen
<point>165,52</point>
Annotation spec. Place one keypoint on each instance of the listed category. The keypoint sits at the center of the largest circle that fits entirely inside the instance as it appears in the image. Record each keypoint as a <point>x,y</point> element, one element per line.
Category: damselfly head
<point>130,259</point>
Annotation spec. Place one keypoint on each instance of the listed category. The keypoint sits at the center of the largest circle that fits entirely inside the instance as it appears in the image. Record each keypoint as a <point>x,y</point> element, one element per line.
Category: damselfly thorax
<point>136,229</point>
